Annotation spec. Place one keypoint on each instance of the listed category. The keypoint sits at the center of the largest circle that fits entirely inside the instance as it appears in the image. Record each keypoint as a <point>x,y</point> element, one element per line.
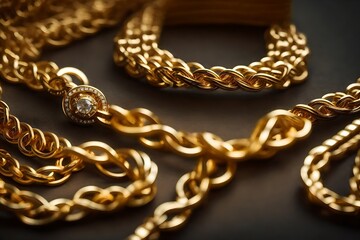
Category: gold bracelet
<point>136,49</point>
<point>318,161</point>
<point>217,164</point>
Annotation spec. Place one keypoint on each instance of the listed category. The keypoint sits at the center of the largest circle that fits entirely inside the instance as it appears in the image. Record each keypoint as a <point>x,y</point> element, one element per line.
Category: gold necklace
<point>136,49</point>
<point>120,164</point>
<point>85,104</point>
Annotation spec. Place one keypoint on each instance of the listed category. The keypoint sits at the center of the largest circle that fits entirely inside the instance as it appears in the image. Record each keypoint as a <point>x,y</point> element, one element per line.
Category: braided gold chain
<point>136,49</point>
<point>318,161</point>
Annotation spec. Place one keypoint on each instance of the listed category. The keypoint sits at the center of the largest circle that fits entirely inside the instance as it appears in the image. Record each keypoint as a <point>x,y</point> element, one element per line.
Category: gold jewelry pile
<point>23,36</point>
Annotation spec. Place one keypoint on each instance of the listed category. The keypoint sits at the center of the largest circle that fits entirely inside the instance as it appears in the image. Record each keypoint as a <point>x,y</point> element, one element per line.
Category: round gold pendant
<point>82,103</point>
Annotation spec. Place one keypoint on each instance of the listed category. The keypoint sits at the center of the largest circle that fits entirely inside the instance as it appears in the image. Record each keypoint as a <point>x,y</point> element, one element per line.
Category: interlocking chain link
<point>192,189</point>
<point>136,49</point>
<point>318,161</point>
<point>33,209</point>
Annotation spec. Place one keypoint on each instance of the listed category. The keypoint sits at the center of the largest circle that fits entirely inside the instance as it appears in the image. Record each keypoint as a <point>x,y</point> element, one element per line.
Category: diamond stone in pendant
<point>81,104</point>
<point>85,105</point>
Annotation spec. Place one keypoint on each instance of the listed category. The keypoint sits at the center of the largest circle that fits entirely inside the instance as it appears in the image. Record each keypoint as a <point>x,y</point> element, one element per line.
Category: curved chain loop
<point>136,49</point>
<point>24,174</point>
<point>191,189</point>
<point>318,161</point>
<point>31,141</point>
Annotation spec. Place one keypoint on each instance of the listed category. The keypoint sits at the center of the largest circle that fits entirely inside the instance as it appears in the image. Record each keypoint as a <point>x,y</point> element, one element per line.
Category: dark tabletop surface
<point>266,198</point>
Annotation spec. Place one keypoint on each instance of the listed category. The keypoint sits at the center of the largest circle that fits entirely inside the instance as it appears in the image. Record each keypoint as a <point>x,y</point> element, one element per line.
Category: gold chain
<point>319,159</point>
<point>33,209</point>
<point>136,49</point>
<point>150,130</point>
<point>217,158</point>
<point>267,138</point>
<point>129,164</point>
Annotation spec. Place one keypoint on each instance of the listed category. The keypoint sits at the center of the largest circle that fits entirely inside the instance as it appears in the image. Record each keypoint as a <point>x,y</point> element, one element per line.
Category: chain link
<point>136,49</point>
<point>191,189</point>
<point>318,161</point>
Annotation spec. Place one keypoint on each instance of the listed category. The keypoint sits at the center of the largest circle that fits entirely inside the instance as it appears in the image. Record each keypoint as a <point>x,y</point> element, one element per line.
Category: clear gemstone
<point>84,105</point>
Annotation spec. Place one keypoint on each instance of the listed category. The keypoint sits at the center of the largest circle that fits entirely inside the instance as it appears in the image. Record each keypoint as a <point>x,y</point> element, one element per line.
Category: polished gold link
<point>24,174</point>
<point>319,159</point>
<point>38,143</point>
<point>136,49</point>
<point>192,188</point>
<point>331,104</point>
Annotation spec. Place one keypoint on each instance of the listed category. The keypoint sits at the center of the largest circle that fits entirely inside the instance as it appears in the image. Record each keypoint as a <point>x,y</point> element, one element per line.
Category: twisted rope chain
<point>136,49</point>
<point>319,159</point>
